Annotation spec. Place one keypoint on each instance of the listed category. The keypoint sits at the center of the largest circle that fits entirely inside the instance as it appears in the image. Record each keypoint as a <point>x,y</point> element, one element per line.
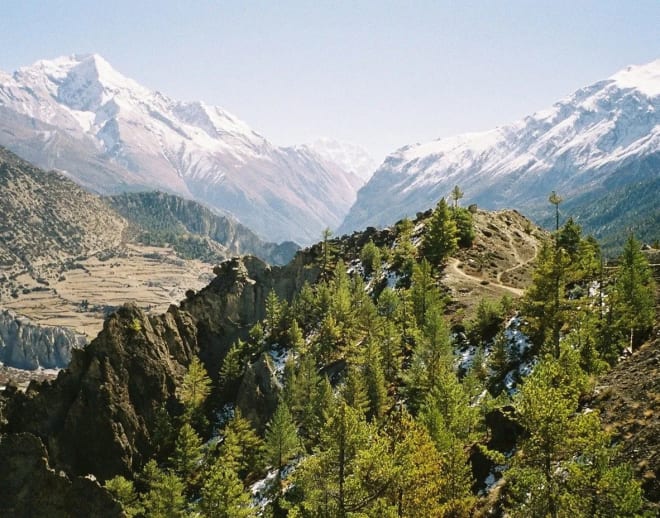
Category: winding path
<point>452,267</point>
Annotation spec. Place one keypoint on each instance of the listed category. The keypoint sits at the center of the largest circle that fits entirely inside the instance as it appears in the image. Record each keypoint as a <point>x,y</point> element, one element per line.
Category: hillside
<point>68,257</point>
<point>46,218</point>
<point>593,146</point>
<point>194,231</point>
<point>358,335</point>
<point>79,115</point>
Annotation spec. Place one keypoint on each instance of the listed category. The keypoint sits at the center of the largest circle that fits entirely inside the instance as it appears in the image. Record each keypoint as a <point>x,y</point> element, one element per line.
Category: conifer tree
<point>281,441</point>
<point>464,227</point>
<point>273,313</point>
<point>456,194</point>
<point>440,239</point>
<point>124,492</point>
<point>564,449</point>
<point>187,455</point>
<point>370,257</point>
<point>354,391</point>
<point>194,389</point>
<point>634,293</point>
<point>328,254</point>
<point>165,496</point>
<point>424,292</point>
<point>242,446</point>
<point>375,382</point>
<point>417,488</point>
<point>223,496</point>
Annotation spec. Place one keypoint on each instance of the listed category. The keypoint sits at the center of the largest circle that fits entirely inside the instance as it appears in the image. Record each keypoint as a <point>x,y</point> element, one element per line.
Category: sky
<point>381,74</point>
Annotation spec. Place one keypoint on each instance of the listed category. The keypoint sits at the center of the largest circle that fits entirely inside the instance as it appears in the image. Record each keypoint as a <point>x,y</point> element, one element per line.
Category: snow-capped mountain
<point>78,115</point>
<point>350,157</point>
<point>601,137</point>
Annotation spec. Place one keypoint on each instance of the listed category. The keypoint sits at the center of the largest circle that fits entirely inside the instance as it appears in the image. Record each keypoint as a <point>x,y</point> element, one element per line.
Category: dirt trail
<point>520,262</point>
<point>453,268</point>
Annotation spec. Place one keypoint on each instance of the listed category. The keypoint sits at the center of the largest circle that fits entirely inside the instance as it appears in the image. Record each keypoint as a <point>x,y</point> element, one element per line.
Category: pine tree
<point>124,492</point>
<point>370,257</point>
<point>440,239</point>
<point>242,446</point>
<point>350,471</point>
<point>564,465</point>
<point>273,314</point>
<point>465,233</point>
<point>281,441</point>
<point>375,382</point>
<point>354,391</point>
<point>417,488</point>
<point>456,194</point>
<point>424,292</point>
<point>187,455</point>
<point>328,253</point>
<point>194,389</point>
<point>634,293</point>
<point>223,496</point>
<point>165,496</point>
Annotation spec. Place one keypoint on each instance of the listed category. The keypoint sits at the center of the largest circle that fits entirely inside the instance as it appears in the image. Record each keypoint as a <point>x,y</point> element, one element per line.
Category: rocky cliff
<point>24,345</point>
<point>99,415</point>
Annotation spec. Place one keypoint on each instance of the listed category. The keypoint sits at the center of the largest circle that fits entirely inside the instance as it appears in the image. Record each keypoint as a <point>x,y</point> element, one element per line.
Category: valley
<point>198,322</point>
<point>81,295</point>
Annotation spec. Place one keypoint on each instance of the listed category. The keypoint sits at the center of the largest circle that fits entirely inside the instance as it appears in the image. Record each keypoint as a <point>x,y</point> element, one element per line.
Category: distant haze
<point>378,74</point>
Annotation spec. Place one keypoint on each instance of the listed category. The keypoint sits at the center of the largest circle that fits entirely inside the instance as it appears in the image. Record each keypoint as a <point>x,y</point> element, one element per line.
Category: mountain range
<point>80,116</point>
<point>602,139</point>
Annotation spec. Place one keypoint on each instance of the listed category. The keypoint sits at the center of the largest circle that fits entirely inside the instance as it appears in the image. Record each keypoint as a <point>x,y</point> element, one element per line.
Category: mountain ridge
<point>80,116</point>
<point>572,147</point>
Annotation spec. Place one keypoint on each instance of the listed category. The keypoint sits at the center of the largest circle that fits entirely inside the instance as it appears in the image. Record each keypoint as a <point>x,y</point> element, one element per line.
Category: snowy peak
<point>645,78</point>
<point>575,147</point>
<point>77,114</point>
<point>82,81</point>
<point>351,157</point>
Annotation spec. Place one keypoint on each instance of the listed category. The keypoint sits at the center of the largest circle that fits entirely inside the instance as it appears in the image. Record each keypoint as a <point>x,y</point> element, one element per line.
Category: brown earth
<point>500,261</point>
<point>150,277</point>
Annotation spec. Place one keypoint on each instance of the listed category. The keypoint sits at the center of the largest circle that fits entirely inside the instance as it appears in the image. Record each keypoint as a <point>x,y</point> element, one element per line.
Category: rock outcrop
<point>29,487</point>
<point>24,345</point>
<point>98,417</point>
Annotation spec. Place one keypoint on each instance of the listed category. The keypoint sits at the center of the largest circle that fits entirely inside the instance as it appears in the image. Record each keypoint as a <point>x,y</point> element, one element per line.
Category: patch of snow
<point>279,357</point>
<point>392,279</point>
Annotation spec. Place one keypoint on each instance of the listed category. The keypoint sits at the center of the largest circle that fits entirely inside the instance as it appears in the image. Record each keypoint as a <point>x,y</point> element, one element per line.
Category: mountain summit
<point>602,137</point>
<point>77,114</point>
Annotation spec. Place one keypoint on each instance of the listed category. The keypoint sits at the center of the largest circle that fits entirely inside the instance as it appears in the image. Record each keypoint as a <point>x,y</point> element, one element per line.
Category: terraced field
<point>78,297</point>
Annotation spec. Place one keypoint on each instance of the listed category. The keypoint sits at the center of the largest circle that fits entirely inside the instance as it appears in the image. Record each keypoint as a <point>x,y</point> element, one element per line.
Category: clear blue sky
<point>381,74</point>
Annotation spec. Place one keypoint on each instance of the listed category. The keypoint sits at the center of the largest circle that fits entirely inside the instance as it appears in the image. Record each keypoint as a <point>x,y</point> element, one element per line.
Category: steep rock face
<point>77,114</point>
<point>24,345</point>
<point>31,488</point>
<point>604,136</point>
<point>98,416</point>
<point>158,217</point>
<point>259,392</point>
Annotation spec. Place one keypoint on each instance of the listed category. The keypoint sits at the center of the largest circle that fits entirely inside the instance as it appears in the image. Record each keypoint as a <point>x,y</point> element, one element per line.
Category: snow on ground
<point>262,490</point>
<point>392,279</point>
<point>515,338</point>
<point>279,358</point>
